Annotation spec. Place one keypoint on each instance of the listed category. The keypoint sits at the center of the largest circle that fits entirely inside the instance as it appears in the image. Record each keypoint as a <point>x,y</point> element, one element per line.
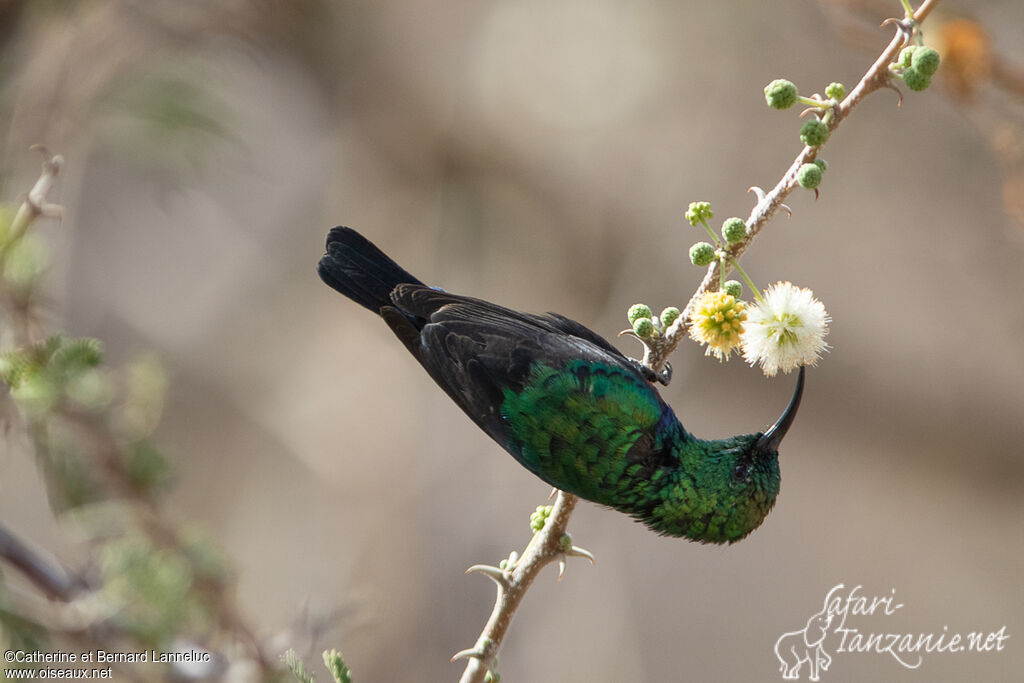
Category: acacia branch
<point>546,547</point>
<point>875,78</point>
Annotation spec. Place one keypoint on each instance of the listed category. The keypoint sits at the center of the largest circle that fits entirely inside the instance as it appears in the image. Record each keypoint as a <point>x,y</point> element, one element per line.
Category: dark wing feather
<point>475,349</point>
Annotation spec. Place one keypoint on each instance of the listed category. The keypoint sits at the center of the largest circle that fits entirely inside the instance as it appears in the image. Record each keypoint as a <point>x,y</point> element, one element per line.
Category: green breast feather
<point>574,426</point>
<point>597,431</point>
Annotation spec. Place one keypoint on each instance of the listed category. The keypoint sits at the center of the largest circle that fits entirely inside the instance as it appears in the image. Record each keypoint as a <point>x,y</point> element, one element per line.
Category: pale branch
<point>875,78</point>
<point>546,546</point>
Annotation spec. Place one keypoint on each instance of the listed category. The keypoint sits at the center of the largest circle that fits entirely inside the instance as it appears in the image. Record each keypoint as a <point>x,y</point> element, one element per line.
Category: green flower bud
<point>906,56</point>
<point>814,133</point>
<point>566,542</point>
<point>734,229</point>
<point>925,60</point>
<point>644,327</point>
<point>702,253</point>
<point>540,517</point>
<point>733,288</point>
<point>780,94</point>
<point>916,80</point>
<point>835,91</point>
<point>637,311</point>
<point>822,164</point>
<point>669,316</point>
<point>809,176</point>
<point>699,211</point>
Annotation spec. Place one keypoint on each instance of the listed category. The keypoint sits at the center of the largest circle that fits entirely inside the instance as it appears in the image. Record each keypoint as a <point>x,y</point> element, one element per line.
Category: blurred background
<point>540,155</point>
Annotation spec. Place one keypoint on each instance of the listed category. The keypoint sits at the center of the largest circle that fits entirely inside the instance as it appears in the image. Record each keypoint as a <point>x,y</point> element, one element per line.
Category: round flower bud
<point>814,133</point>
<point>733,288</point>
<point>702,253</point>
<point>669,315</point>
<point>780,94</point>
<point>637,311</point>
<point>925,60</point>
<point>822,164</point>
<point>644,327</point>
<point>734,229</point>
<point>916,80</point>
<point>906,56</point>
<point>835,91</point>
<point>699,211</point>
<point>809,176</point>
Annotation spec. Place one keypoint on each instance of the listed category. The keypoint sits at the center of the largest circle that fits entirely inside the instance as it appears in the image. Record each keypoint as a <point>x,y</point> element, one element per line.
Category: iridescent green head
<point>725,488</point>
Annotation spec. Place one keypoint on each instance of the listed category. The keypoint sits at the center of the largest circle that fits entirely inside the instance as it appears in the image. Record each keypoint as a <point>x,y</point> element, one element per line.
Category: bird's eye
<point>740,472</point>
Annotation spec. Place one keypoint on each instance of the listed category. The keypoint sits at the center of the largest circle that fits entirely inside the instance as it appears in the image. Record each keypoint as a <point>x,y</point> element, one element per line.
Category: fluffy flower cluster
<point>718,322</point>
<point>785,330</point>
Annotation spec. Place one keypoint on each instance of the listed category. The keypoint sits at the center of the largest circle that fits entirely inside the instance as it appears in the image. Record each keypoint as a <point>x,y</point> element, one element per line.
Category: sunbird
<point>567,404</point>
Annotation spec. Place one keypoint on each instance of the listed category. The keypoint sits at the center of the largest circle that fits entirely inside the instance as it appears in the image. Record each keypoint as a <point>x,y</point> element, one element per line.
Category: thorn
<point>888,84</point>
<point>815,194</point>
<point>629,332</point>
<point>554,492</point>
<point>757,191</point>
<point>577,551</point>
<point>494,573</point>
<point>561,567</point>
<point>789,211</point>
<point>466,654</point>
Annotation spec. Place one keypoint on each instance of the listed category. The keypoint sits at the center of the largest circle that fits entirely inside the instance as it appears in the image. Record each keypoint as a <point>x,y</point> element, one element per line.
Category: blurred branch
<point>47,576</point>
<point>549,544</point>
<point>91,434</point>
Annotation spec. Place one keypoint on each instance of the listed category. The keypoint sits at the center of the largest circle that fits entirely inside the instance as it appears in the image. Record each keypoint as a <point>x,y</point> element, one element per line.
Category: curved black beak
<point>770,440</point>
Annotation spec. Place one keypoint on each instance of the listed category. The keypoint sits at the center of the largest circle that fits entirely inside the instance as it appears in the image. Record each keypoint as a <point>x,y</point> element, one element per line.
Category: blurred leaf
<point>146,466</point>
<point>297,667</point>
<point>152,589</point>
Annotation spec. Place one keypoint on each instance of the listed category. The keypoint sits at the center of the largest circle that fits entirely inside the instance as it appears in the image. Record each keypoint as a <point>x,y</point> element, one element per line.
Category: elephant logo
<point>806,646</point>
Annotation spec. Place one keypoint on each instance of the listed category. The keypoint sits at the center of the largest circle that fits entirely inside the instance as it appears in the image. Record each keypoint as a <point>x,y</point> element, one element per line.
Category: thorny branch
<point>546,546</point>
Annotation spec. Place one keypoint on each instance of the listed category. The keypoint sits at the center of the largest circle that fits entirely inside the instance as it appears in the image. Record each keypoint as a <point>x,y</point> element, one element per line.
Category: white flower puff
<point>785,329</point>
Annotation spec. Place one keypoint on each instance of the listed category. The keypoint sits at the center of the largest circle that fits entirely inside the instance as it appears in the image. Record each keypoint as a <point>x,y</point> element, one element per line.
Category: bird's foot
<point>663,377</point>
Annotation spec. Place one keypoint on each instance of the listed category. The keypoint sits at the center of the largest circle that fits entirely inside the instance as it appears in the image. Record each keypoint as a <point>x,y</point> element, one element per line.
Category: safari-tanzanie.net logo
<point>833,632</point>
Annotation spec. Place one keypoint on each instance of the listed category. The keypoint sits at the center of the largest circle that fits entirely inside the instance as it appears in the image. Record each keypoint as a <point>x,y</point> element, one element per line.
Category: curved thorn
<point>815,194</point>
<point>466,654</point>
<point>757,191</point>
<point>577,551</point>
<point>788,210</point>
<point>888,84</point>
<point>561,567</point>
<point>493,573</point>
<point>629,332</point>
<point>554,492</point>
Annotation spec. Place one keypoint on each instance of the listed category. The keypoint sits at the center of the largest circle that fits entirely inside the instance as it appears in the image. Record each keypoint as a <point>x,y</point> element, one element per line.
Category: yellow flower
<point>717,321</point>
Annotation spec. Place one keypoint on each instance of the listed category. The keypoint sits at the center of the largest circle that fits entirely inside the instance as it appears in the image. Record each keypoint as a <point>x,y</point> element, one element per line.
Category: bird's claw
<point>663,377</point>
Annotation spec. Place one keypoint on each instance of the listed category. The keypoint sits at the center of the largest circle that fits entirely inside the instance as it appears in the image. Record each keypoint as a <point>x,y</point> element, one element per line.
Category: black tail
<point>359,270</point>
